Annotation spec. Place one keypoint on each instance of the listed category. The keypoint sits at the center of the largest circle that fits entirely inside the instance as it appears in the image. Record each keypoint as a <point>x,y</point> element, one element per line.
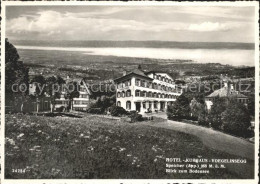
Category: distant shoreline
<point>234,57</point>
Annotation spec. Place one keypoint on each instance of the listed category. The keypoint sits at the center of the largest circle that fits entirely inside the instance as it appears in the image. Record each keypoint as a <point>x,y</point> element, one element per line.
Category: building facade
<point>79,103</point>
<point>146,92</point>
<point>82,102</point>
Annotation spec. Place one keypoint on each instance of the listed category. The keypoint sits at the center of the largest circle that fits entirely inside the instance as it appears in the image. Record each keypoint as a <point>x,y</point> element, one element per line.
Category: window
<point>84,96</point>
<point>150,94</point>
<point>144,94</point>
<point>128,105</point>
<point>159,77</point>
<point>149,85</point>
<point>143,83</point>
<point>128,93</point>
<point>118,95</point>
<point>137,82</point>
<point>144,105</point>
<point>77,102</point>
<point>123,94</point>
<point>154,95</point>
<point>150,105</point>
<point>119,104</point>
<point>84,102</point>
<point>155,105</point>
<point>137,93</point>
<point>82,88</point>
<point>127,83</point>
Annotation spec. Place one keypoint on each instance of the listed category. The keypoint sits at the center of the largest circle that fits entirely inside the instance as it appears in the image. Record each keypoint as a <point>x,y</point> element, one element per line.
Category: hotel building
<point>146,92</point>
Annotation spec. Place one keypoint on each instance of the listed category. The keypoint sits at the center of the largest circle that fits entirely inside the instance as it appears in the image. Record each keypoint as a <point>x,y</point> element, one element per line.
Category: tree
<point>236,119</point>
<point>117,111</point>
<point>39,82</point>
<point>214,117</point>
<point>104,102</point>
<point>196,108</point>
<point>180,108</point>
<point>16,75</point>
<point>251,104</point>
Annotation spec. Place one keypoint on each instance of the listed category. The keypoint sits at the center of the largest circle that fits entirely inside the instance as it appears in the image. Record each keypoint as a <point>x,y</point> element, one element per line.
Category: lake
<point>234,57</point>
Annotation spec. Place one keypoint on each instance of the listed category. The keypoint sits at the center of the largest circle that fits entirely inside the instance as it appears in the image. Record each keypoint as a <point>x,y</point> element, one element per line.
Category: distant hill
<point>142,44</point>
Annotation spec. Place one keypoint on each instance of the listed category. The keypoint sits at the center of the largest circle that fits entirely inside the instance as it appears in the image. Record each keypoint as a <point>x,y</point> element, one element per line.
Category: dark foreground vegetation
<point>96,147</point>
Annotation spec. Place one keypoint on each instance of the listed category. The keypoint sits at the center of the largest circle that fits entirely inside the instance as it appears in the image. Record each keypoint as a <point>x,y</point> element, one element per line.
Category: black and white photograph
<point>130,90</point>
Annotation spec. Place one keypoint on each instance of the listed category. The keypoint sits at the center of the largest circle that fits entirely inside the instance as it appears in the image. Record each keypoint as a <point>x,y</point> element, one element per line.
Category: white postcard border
<point>119,3</point>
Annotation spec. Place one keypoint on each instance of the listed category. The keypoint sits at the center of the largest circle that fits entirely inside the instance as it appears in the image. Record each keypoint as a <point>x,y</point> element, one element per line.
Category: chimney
<point>68,77</point>
<point>124,73</point>
<point>139,67</point>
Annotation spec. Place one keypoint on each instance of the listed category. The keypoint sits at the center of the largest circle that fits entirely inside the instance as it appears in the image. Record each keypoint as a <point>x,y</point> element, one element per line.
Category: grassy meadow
<point>96,147</point>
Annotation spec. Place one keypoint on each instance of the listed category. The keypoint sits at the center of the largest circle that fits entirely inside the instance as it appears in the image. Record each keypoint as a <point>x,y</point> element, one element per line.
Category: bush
<point>60,109</point>
<point>95,110</point>
<point>236,119</point>
<point>135,116</point>
<point>180,108</point>
<point>214,116</point>
<point>203,122</point>
<point>117,111</point>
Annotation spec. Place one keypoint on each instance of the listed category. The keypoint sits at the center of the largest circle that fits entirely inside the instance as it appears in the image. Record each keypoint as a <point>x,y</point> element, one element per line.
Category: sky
<point>171,23</point>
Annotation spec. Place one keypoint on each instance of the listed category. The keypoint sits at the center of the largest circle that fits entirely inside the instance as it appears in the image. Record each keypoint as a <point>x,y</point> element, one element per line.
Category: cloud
<point>51,22</point>
<point>209,26</point>
<point>224,12</point>
<point>119,24</point>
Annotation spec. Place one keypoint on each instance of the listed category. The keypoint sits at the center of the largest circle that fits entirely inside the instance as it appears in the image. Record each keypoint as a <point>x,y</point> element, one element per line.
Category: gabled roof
<point>156,72</point>
<point>137,72</point>
<point>226,92</point>
<point>80,81</point>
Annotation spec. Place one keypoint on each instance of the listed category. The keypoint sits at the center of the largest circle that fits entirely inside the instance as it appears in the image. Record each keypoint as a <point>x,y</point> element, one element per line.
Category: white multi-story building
<point>82,102</point>
<point>146,92</point>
